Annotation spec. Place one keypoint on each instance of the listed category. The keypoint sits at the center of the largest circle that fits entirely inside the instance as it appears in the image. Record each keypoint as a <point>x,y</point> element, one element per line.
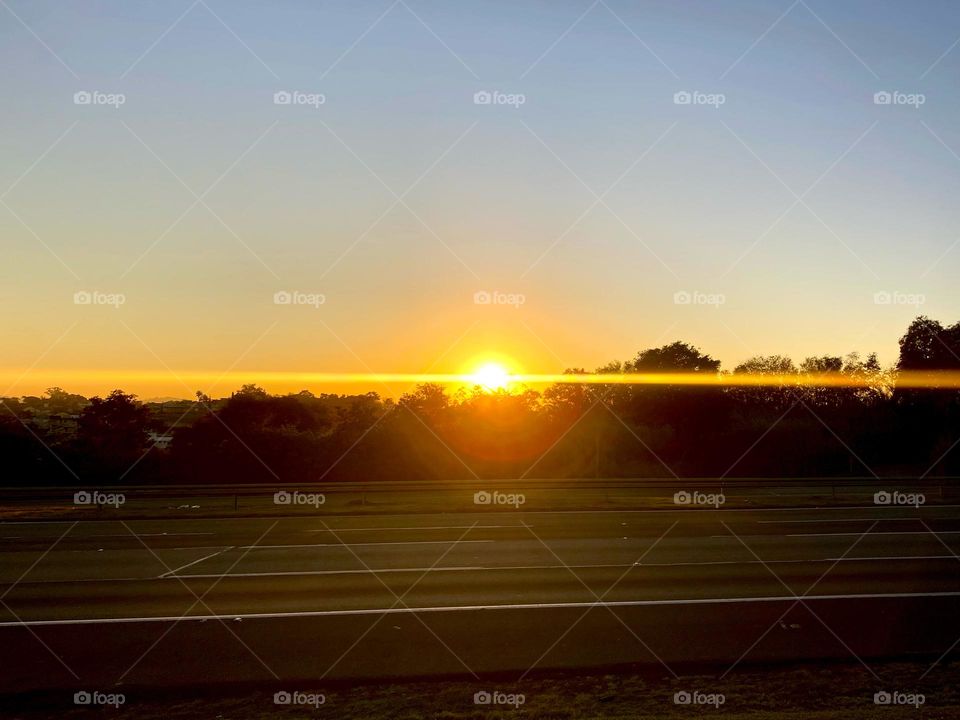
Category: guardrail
<point>543,483</point>
<point>513,483</point>
<point>223,500</point>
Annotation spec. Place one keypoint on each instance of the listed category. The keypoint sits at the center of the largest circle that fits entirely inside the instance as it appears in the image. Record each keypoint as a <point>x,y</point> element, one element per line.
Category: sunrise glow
<point>491,376</point>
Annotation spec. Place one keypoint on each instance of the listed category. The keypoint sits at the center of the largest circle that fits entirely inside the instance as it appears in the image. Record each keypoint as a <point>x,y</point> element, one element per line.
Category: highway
<point>338,597</point>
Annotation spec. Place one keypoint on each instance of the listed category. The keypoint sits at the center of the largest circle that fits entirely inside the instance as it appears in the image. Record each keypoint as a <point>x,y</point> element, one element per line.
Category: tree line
<point>568,430</point>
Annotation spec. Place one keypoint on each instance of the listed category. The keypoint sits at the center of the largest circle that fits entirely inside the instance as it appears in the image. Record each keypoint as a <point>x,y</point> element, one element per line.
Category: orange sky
<point>401,226</point>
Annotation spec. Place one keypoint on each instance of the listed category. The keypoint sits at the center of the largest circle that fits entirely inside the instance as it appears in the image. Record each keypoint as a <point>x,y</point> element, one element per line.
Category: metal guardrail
<point>436,496</point>
<point>220,489</point>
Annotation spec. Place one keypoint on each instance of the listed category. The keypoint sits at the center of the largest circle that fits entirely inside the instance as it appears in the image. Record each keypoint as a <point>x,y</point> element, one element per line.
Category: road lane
<point>700,585</point>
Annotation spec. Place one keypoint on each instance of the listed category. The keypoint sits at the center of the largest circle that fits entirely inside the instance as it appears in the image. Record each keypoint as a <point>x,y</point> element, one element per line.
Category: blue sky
<point>598,199</point>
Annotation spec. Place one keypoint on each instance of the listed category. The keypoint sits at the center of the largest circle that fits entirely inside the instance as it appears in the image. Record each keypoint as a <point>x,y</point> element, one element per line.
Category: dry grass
<point>810,693</point>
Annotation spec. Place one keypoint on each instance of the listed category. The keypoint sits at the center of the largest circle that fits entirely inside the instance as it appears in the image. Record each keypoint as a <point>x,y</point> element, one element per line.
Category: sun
<point>491,376</point>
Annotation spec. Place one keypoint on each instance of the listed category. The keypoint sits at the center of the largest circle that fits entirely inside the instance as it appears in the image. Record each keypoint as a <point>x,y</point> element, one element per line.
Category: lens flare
<point>491,376</point>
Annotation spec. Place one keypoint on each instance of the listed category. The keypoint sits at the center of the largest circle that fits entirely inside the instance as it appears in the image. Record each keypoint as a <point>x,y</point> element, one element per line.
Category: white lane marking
<point>847,558</point>
<point>335,530</point>
<point>849,534</point>
<point>200,560</point>
<point>112,535</point>
<point>899,557</point>
<point>379,571</point>
<point>757,510</point>
<point>885,532</point>
<point>401,542</point>
<point>482,568</point>
<point>294,545</point>
<point>840,520</point>
<point>428,527</point>
<point>661,511</point>
<point>489,568</point>
<point>461,608</point>
<point>163,534</point>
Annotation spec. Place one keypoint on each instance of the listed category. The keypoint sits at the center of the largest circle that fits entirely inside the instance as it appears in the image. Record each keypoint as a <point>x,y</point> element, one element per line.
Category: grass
<point>790,693</point>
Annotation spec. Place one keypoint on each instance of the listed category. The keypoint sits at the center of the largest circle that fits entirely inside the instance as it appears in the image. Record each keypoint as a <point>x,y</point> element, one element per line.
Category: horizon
<point>99,382</point>
<point>211,188</point>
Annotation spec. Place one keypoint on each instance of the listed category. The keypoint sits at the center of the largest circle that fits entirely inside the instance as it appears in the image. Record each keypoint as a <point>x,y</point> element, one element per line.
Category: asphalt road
<point>167,602</point>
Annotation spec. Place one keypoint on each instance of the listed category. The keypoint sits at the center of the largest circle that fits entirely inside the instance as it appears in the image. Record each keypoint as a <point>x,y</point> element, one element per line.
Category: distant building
<point>61,426</point>
<point>160,440</point>
<point>179,413</point>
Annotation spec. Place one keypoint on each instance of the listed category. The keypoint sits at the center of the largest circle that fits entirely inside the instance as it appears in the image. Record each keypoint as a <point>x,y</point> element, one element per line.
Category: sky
<point>164,212</point>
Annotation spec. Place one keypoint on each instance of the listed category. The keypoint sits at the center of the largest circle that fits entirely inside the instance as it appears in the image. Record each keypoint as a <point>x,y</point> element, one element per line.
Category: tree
<point>767,365</point>
<point>930,416</point>
<point>777,397</point>
<point>112,433</point>
<point>59,401</point>
<point>566,402</point>
<point>678,357</point>
<point>822,364</point>
<point>672,423</point>
<point>927,345</point>
<point>428,400</point>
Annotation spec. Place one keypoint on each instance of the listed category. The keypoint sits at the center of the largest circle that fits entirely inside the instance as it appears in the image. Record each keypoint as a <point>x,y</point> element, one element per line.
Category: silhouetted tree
<point>929,417</point>
<point>796,426</point>
<point>112,435</point>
